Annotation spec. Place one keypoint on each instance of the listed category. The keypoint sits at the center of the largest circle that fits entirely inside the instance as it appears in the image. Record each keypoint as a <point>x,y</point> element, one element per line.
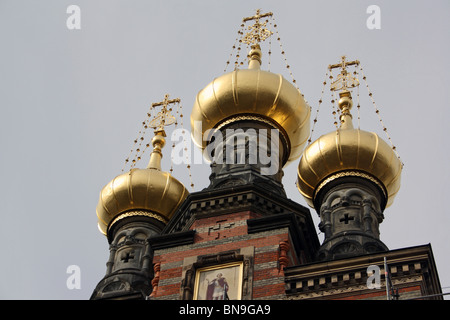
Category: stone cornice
<point>172,240</point>
<point>248,197</point>
<point>348,276</point>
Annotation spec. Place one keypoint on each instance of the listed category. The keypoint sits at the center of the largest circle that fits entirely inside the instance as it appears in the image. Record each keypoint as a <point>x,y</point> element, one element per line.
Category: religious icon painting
<point>222,282</point>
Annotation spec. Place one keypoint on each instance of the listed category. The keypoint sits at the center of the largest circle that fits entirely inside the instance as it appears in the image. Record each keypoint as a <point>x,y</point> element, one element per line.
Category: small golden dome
<point>156,193</point>
<point>141,192</point>
<point>253,94</point>
<point>348,152</point>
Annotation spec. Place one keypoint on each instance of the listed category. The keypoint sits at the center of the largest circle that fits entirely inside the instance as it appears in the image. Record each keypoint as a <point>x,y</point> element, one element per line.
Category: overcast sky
<point>72,101</point>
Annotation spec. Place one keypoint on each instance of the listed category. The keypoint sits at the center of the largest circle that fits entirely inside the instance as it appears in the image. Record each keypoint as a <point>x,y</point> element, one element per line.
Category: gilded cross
<point>344,80</point>
<point>164,117</point>
<point>343,64</point>
<point>258,31</point>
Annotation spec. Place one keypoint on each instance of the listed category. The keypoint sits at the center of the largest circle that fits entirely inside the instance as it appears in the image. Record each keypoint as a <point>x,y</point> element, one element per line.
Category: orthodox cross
<point>258,31</point>
<point>164,117</point>
<point>343,64</point>
<point>344,80</point>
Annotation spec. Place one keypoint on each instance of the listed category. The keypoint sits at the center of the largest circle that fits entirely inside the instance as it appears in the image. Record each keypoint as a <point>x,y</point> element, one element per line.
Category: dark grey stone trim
<point>250,197</point>
<point>172,240</point>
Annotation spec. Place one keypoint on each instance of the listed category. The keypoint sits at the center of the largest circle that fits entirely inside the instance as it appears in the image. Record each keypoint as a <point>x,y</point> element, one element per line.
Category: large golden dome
<point>348,152</point>
<point>253,94</point>
<point>141,192</point>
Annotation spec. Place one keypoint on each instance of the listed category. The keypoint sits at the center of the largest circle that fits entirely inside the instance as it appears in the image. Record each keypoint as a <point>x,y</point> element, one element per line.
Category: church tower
<point>349,176</point>
<point>242,228</point>
<point>132,208</point>
<point>241,237</point>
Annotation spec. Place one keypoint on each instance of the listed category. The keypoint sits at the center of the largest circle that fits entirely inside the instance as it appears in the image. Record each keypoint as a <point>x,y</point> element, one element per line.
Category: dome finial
<point>158,143</point>
<point>254,57</point>
<point>343,83</point>
<point>258,31</point>
<point>256,34</point>
<point>344,80</point>
<point>148,192</point>
<point>348,152</point>
<point>162,119</point>
<point>345,104</point>
<point>253,95</point>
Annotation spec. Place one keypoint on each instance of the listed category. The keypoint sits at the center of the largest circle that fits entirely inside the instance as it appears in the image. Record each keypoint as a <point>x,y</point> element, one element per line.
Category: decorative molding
<point>283,258</point>
<point>172,240</point>
<point>135,213</point>
<point>354,289</point>
<point>251,197</point>
<point>155,281</point>
<point>347,277</point>
<point>358,174</point>
<point>251,117</point>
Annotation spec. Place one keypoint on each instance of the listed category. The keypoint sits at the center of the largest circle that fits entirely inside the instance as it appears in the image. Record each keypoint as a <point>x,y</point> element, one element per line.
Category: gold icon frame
<point>231,272</point>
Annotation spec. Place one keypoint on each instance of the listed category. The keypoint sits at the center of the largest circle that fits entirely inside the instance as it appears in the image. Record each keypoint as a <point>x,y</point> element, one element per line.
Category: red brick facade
<point>276,263</point>
<point>221,234</point>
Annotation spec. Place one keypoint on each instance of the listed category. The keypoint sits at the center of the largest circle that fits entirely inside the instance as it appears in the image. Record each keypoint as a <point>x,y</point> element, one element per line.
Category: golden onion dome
<point>348,152</point>
<point>141,192</point>
<point>252,94</point>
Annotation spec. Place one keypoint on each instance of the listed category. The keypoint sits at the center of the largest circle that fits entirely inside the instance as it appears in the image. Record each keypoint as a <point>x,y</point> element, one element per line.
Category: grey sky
<point>72,102</point>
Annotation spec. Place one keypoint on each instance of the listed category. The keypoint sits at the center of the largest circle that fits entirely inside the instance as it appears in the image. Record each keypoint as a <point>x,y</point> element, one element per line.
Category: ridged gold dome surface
<point>253,93</point>
<point>147,192</point>
<point>348,152</point>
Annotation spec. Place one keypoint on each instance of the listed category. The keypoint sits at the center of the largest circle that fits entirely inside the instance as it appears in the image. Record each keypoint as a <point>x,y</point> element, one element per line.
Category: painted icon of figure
<point>217,288</point>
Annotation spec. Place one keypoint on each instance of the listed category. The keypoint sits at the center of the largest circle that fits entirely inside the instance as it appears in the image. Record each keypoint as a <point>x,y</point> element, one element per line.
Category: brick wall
<point>221,234</point>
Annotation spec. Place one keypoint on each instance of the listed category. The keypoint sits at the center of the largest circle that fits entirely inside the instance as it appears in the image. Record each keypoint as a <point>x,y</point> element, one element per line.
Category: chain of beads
<point>180,116</point>
<point>237,42</point>
<point>283,53</point>
<point>334,108</point>
<point>377,111</point>
<point>270,46</point>
<point>318,107</point>
<point>358,106</point>
<point>138,150</point>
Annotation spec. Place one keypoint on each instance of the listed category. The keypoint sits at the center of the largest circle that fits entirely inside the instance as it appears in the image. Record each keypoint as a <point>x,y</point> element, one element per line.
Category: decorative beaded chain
<point>158,120</point>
